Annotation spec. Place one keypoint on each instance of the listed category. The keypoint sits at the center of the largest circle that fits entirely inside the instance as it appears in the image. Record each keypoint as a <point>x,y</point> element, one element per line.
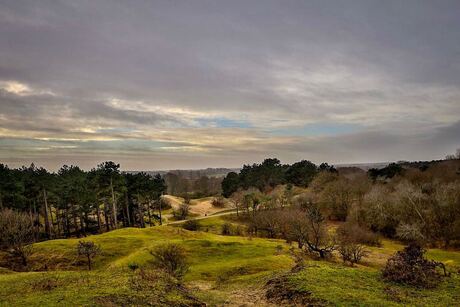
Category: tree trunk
<point>161,219</point>
<point>52,221</point>
<point>106,217</point>
<point>128,218</point>
<point>58,222</point>
<point>141,215</point>
<point>89,263</point>
<point>67,222</point>
<point>82,225</point>
<point>148,214</point>
<point>75,223</point>
<point>47,222</point>
<point>98,213</point>
<point>114,205</point>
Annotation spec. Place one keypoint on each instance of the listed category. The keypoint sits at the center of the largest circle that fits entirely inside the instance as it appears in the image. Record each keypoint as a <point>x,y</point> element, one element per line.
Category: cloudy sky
<point>192,84</point>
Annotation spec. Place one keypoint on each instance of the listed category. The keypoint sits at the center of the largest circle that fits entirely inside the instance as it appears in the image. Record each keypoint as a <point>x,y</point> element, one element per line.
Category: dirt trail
<point>200,207</point>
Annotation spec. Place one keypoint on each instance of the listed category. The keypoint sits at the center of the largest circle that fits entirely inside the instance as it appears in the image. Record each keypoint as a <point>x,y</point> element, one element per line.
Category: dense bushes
<point>352,232</point>
<point>192,225</point>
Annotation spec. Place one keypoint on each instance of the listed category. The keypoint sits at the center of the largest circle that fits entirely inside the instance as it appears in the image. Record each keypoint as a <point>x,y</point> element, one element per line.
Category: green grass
<point>210,256</point>
<point>219,267</point>
<point>345,286</point>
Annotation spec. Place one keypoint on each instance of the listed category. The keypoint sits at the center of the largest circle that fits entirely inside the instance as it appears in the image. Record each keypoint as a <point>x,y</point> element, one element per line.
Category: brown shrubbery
<point>352,232</point>
<point>17,234</point>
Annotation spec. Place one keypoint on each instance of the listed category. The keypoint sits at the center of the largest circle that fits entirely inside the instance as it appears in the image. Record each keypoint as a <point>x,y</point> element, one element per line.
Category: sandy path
<point>200,207</point>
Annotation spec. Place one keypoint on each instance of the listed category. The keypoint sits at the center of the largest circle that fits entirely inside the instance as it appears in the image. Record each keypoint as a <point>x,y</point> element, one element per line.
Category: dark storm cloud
<point>173,71</point>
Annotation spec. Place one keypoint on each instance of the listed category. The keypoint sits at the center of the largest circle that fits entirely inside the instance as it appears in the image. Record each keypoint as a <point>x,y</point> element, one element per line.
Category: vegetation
<point>171,258</point>
<point>410,267</point>
<point>73,202</point>
<point>271,248</point>
<point>89,250</point>
<point>17,234</point>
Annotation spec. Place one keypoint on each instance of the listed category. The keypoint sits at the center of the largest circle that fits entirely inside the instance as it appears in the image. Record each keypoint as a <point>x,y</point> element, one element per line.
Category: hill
<point>229,270</point>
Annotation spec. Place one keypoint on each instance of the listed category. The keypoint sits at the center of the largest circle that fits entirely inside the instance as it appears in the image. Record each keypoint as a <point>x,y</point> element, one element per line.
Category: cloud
<point>230,81</point>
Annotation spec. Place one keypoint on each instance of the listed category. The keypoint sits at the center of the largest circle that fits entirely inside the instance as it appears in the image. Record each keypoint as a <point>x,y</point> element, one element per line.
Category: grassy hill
<point>223,269</point>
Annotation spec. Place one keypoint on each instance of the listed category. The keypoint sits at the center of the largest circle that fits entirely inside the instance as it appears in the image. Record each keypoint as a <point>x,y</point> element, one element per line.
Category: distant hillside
<point>194,173</point>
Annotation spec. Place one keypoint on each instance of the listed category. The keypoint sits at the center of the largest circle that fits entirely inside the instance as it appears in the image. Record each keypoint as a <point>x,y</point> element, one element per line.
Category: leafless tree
<point>89,250</point>
<point>17,233</point>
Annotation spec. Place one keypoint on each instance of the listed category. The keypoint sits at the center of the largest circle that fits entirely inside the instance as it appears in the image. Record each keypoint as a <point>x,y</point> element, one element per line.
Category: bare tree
<point>318,239</point>
<point>351,252</point>
<point>88,249</point>
<point>182,212</point>
<point>17,233</point>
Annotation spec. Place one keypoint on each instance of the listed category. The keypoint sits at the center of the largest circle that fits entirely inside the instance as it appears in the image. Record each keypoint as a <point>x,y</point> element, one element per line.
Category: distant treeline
<point>72,201</point>
<point>270,173</point>
<point>193,183</point>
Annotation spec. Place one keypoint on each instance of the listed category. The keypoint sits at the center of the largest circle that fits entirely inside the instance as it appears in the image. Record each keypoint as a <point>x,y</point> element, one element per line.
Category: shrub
<point>352,232</point>
<point>89,250</point>
<point>182,212</point>
<point>133,266</point>
<point>171,258</point>
<point>17,233</point>
<point>412,268</point>
<point>191,225</point>
<point>226,229</point>
<point>351,252</point>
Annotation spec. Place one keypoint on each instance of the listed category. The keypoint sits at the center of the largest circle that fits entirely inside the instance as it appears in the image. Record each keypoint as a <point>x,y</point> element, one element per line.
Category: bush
<point>17,234</point>
<point>171,258</point>
<point>351,252</point>
<point>191,225</point>
<point>226,229</point>
<point>182,212</point>
<point>352,232</point>
<point>412,268</point>
<point>133,266</point>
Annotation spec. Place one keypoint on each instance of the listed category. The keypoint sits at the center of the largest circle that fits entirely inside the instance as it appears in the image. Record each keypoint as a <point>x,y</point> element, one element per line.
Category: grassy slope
<point>220,266</point>
<point>240,260</point>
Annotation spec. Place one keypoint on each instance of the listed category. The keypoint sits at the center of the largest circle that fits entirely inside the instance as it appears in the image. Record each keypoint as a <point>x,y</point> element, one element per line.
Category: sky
<point>192,84</point>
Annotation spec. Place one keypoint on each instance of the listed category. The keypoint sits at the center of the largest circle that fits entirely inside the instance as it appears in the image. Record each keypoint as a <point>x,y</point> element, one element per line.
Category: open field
<point>224,270</point>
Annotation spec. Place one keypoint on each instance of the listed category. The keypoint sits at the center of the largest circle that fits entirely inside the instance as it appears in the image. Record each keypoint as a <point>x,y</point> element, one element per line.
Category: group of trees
<point>270,173</point>
<point>76,202</point>
<point>189,184</point>
<point>409,202</point>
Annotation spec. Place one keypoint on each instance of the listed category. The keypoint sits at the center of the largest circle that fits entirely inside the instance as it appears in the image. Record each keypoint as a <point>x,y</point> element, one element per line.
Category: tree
<point>351,252</point>
<point>237,200</point>
<point>111,184</point>
<point>318,238</point>
<point>301,173</point>
<point>89,250</point>
<point>182,212</point>
<point>17,233</point>
<point>230,184</point>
